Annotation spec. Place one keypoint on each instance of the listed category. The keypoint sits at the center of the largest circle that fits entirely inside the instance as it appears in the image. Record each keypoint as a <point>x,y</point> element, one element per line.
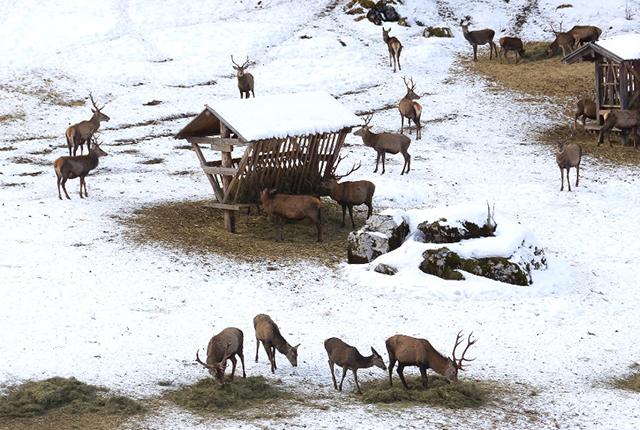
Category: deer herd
<point>402,350</point>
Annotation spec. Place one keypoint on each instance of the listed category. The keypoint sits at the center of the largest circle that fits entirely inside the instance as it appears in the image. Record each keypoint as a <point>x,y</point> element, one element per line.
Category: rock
<point>437,32</point>
<point>442,231</point>
<point>374,16</point>
<point>380,234</point>
<point>385,269</point>
<point>389,13</point>
<point>442,263</point>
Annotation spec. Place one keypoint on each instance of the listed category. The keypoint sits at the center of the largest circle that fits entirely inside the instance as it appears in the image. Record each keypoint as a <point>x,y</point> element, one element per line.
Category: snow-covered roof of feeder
<point>274,116</point>
<point>624,47</point>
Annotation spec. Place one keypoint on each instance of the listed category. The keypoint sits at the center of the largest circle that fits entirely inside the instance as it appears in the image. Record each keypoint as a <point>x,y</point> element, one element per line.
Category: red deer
<point>283,207</point>
<point>385,143</point>
<point>81,132</point>
<point>627,120</point>
<point>350,193</point>
<point>568,156</point>
<point>410,109</point>
<point>479,37</point>
<point>585,108</point>
<point>411,351</point>
<point>77,167</point>
<point>584,34</point>
<point>245,80</point>
<point>222,347</point>
<point>349,358</point>
<point>395,48</point>
<point>510,44</point>
<point>269,334</point>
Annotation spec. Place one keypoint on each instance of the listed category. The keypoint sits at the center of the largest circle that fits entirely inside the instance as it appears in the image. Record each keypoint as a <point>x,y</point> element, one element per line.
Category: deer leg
<point>257,348</point>
<point>253,94</point>
<point>401,124</point>
<point>353,225</point>
<point>601,136</point>
<point>398,56</point>
<point>384,156</point>
<point>84,181</point>
<point>568,180</point>
<point>369,208</point>
<point>333,375</point>
<point>81,182</point>
<point>344,373</point>
<point>377,161</point>
<point>401,375</point>
<point>234,361</point>
<point>423,375</point>
<point>344,210</point>
<point>268,351</point>
<point>392,362</point>
<point>58,182</point>
<point>241,355</point>
<point>273,355</point>
<point>355,377</point>
<point>577,174</point>
<point>64,188</point>
<point>475,50</point>
<point>561,179</point>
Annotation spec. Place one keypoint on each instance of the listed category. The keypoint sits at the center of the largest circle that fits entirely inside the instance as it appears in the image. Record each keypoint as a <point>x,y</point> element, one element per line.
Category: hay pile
<point>630,382</point>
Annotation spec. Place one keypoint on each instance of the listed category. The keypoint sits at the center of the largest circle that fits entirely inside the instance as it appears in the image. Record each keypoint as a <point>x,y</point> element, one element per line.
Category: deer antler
<point>367,119</point>
<point>404,78</point>
<point>353,169</point>
<point>246,63</point>
<point>208,366</point>
<point>458,362</point>
<point>233,61</point>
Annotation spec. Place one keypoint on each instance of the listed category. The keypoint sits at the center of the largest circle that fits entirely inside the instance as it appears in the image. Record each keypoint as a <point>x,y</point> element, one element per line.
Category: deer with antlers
<point>385,143</point>
<point>349,193</point>
<point>77,167</point>
<point>245,79</point>
<point>395,48</point>
<point>222,347</point>
<point>479,37</point>
<point>411,351</point>
<point>81,132</point>
<point>410,109</point>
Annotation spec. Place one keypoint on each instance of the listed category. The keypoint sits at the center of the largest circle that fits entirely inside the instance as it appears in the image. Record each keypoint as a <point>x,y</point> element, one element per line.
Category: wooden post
<point>227,161</point>
<point>598,92</point>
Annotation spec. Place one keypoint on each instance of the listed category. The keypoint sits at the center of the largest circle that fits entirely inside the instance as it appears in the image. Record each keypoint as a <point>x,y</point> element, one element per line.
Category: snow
<point>625,46</point>
<point>78,298</point>
<point>285,115</point>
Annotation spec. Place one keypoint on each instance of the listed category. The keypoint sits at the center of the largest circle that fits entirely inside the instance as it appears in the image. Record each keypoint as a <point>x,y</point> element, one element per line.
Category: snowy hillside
<point>79,299</point>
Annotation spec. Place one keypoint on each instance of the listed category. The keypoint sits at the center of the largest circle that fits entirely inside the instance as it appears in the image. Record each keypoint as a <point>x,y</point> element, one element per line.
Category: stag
<point>395,48</point>
<point>385,143</point>
<point>77,167</point>
<point>349,358</point>
<point>585,108</point>
<point>479,37</point>
<point>222,347</point>
<point>568,156</point>
<point>269,334</point>
<point>245,79</point>
<point>510,44</point>
<point>285,207</point>
<point>81,132</point>
<point>410,109</point>
<point>411,351</point>
<point>584,34</point>
<point>350,193</point>
<point>627,120</point>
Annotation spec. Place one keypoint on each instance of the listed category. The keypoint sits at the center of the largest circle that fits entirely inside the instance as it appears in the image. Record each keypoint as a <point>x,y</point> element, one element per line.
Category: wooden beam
<point>215,170</point>
<point>229,206</point>
<point>203,162</point>
<point>227,162</point>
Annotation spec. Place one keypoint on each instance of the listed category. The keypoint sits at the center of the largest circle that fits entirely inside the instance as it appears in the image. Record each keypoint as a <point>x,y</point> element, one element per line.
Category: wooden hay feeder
<point>617,72</point>
<point>289,142</point>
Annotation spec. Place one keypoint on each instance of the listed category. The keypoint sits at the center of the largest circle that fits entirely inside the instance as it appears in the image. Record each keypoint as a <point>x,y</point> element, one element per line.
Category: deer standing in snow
<point>283,207</point>
<point>222,347</point>
<point>385,143</point>
<point>269,334</point>
<point>568,156</point>
<point>245,79</point>
<point>349,358</point>
<point>510,44</point>
<point>479,37</point>
<point>410,109</point>
<point>77,167</point>
<point>81,132</point>
<point>395,48</point>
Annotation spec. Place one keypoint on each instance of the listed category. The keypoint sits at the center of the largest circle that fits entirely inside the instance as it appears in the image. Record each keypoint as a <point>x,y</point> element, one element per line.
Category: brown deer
<point>411,351</point>
<point>627,120</point>
<point>222,347</point>
<point>510,44</point>
<point>349,358</point>
<point>479,37</point>
<point>385,143</point>
<point>245,79</point>
<point>81,132</point>
<point>284,207</point>
<point>585,108</point>
<point>584,34</point>
<point>568,156</point>
<point>350,193</point>
<point>269,334</point>
<point>395,48</point>
<point>77,167</point>
<point>410,109</point>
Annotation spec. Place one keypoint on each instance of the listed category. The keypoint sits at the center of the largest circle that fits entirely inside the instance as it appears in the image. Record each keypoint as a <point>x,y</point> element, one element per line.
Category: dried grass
<point>630,382</point>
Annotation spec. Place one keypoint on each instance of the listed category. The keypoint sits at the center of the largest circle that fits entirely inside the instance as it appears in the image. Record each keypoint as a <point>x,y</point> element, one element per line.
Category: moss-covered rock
<point>385,269</point>
<point>442,263</point>
<point>380,234</point>
<point>437,32</point>
<point>442,231</point>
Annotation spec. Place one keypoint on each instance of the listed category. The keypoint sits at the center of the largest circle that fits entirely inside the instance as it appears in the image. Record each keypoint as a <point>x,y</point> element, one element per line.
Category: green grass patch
<point>265,398</point>
<point>630,382</point>
<point>63,395</point>
<point>463,394</point>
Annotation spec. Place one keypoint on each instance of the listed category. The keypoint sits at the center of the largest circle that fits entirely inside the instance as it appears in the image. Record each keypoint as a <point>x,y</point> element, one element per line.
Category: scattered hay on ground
<point>255,396</point>
<point>63,396</point>
<point>37,173</point>
<point>463,394</point>
<point>7,148</point>
<point>630,382</point>
<point>153,161</point>
<point>192,227</point>
<point>13,116</point>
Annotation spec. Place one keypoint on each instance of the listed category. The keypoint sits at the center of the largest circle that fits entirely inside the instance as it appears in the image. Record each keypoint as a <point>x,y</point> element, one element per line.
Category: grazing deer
<point>395,48</point>
<point>510,44</point>
<point>269,334</point>
<point>385,143</point>
<point>411,351</point>
<point>585,108</point>
<point>283,207</point>
<point>410,109</point>
<point>77,167</point>
<point>349,358</point>
<point>245,80</point>
<point>350,193</point>
<point>627,120</point>
<point>222,347</point>
<point>568,156</point>
<point>479,37</point>
<point>81,132</point>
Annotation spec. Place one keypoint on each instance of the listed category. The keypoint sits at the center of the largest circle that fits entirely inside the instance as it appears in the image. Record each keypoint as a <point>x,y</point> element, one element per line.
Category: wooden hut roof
<point>619,48</point>
<point>275,116</point>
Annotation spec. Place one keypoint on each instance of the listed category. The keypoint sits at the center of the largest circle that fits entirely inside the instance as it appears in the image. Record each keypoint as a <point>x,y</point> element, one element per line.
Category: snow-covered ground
<point>79,299</point>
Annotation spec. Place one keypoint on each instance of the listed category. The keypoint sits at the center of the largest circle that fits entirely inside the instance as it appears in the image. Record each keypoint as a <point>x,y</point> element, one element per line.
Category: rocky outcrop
<point>437,32</point>
<point>385,269</point>
<point>442,231</point>
<point>380,234</point>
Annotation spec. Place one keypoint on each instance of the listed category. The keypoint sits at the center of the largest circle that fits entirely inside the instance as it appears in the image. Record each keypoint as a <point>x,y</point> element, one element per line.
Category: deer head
<point>411,95</point>
<point>377,360</point>
<point>95,143</point>
<point>365,129</point>
<point>217,369</point>
<point>97,110</point>
<point>238,68</point>
<point>455,364</point>
<point>292,355</point>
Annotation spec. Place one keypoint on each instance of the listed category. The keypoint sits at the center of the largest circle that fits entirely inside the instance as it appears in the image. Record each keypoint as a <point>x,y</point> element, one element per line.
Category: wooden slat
<point>230,206</point>
<point>236,178</point>
<point>224,171</point>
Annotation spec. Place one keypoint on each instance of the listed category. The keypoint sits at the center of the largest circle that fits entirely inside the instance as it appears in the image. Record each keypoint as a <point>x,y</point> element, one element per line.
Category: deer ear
<point>272,191</point>
<point>93,110</point>
<point>375,352</point>
<point>296,347</point>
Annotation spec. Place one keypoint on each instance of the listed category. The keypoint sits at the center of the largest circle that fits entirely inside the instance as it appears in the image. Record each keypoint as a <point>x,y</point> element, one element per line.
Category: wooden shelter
<point>617,71</point>
<point>289,142</point>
